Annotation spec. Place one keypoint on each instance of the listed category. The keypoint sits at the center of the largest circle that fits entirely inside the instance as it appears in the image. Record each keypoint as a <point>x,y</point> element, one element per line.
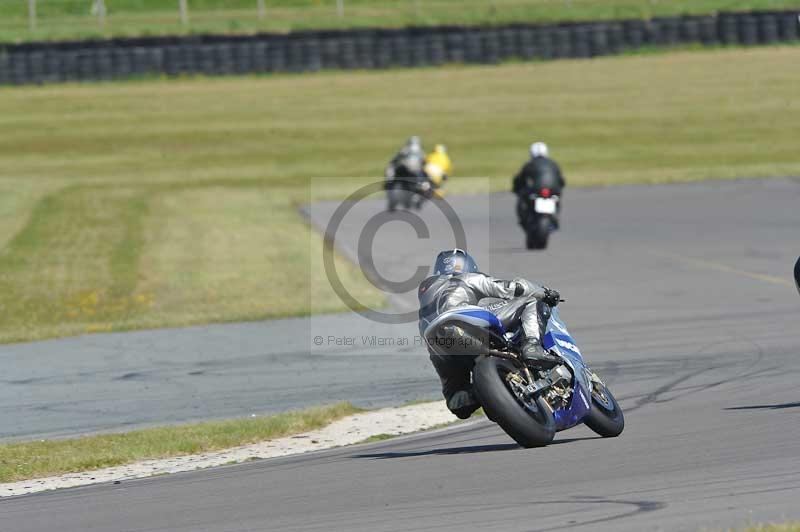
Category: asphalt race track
<point>681,297</point>
<point>129,380</point>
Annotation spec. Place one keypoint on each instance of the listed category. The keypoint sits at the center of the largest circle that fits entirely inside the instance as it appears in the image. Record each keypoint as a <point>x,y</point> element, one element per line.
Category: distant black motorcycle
<point>400,192</point>
<point>408,191</point>
<point>539,217</point>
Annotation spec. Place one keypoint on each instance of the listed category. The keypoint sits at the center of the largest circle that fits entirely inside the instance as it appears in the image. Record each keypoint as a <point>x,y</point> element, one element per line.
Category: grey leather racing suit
<point>520,305</point>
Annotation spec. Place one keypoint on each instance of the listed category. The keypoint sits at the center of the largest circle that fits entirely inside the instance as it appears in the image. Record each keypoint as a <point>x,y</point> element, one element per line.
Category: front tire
<point>408,199</point>
<point>605,417</point>
<point>528,421</point>
<point>392,196</point>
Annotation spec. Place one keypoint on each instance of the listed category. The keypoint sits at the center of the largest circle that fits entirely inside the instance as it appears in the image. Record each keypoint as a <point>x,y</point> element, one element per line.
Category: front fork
<point>599,389</point>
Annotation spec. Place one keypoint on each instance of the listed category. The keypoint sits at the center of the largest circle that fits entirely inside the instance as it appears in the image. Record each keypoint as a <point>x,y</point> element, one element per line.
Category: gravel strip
<point>347,431</point>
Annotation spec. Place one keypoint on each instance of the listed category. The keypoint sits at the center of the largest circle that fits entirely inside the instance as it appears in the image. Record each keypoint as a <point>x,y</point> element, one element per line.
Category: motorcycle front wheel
<point>498,384</point>
<point>605,417</point>
<point>392,197</point>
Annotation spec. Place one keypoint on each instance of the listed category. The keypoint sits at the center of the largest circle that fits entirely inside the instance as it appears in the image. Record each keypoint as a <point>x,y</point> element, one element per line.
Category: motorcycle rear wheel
<point>537,233</point>
<point>529,421</point>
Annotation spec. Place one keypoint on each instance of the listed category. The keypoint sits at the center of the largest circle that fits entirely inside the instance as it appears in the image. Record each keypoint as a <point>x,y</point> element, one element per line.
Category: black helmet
<point>453,262</point>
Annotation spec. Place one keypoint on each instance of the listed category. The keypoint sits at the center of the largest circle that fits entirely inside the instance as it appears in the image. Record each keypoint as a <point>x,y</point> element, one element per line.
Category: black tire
<point>606,417</point>
<point>531,424</point>
<point>408,199</point>
<point>543,231</point>
<point>537,233</point>
<point>392,196</point>
<point>531,242</point>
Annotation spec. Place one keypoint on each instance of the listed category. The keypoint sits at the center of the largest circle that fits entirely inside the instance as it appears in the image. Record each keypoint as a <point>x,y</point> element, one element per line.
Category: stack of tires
<point>385,48</point>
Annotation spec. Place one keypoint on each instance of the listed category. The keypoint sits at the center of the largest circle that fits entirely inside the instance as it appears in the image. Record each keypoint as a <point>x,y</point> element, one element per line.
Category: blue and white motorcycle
<point>531,404</point>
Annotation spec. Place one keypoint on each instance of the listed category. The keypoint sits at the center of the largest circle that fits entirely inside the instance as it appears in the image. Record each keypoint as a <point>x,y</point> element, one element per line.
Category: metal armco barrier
<point>49,62</point>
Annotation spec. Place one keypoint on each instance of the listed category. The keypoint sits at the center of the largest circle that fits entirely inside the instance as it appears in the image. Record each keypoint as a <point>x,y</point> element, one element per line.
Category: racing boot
<point>533,351</point>
<point>463,403</point>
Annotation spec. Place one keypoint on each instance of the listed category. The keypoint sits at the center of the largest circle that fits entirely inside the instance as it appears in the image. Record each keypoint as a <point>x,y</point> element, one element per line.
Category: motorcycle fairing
<point>472,315</point>
<point>558,339</point>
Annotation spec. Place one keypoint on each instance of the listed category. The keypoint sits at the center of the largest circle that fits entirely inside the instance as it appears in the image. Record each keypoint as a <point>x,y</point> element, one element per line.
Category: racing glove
<point>551,297</point>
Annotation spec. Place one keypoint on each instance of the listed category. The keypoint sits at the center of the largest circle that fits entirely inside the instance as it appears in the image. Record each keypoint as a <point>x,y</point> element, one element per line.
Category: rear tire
<point>605,417</point>
<point>543,231</point>
<point>530,424</point>
<point>537,233</point>
<point>530,240</point>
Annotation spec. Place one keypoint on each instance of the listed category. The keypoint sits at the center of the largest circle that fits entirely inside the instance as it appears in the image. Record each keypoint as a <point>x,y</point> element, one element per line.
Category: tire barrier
<point>634,33</point>
<point>728,29</point>
<point>767,28</point>
<point>788,22</point>
<point>309,51</point>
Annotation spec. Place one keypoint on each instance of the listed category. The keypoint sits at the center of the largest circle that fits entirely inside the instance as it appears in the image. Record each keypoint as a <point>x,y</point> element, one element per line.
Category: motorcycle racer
<point>539,172</point>
<point>456,282</point>
<point>438,166</point>
<point>408,162</point>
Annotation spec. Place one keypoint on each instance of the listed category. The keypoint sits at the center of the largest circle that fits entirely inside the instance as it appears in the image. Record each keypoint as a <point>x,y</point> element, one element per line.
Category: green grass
<point>97,258</point>
<point>379,437</point>
<point>60,19</point>
<point>21,461</point>
<point>785,527</point>
<point>166,203</point>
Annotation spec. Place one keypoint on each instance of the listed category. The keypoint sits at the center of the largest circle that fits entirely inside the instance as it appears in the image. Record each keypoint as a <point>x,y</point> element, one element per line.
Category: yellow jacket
<point>438,166</point>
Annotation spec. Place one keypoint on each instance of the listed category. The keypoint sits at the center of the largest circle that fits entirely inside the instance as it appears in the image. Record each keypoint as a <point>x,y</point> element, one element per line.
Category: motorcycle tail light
<point>545,193</point>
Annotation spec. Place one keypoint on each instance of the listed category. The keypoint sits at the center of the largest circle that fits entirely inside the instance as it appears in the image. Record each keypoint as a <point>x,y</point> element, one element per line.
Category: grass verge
<point>379,437</point>
<point>785,527</point>
<point>168,203</point>
<point>73,19</point>
<point>27,460</point>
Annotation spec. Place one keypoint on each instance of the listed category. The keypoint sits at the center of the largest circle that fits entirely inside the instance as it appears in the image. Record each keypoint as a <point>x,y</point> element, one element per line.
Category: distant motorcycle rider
<point>435,172</point>
<point>438,165</point>
<point>456,282</point>
<point>538,173</point>
<point>408,163</point>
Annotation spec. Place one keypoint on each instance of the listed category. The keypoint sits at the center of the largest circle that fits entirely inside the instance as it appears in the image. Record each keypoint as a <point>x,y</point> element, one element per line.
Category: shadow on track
<point>779,406</point>
<point>462,450</point>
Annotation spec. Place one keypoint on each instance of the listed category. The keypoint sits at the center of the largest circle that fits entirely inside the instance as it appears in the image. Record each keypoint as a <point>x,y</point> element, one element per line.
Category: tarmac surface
<point>123,381</point>
<point>682,299</point>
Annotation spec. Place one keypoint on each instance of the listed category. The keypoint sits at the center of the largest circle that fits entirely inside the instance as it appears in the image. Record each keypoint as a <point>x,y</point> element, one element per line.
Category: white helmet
<point>415,143</point>
<point>539,149</point>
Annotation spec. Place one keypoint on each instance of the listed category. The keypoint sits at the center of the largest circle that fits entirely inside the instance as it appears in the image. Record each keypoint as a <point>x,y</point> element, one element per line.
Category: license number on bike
<point>545,205</point>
